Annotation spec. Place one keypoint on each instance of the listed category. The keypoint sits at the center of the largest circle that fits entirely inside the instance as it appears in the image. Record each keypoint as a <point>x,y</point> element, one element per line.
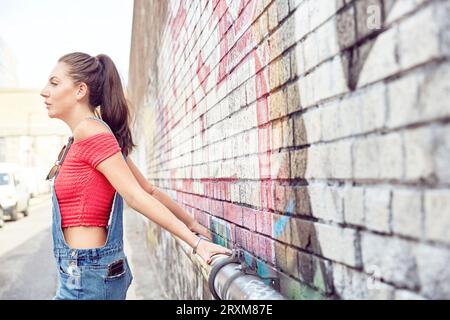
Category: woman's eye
<point>54,84</point>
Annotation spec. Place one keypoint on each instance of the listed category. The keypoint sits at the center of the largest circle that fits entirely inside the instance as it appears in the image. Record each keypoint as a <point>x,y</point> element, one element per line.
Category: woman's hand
<point>199,229</point>
<point>206,250</point>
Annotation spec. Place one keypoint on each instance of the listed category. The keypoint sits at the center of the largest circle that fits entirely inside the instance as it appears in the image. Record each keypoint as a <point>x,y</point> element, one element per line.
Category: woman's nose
<point>44,93</point>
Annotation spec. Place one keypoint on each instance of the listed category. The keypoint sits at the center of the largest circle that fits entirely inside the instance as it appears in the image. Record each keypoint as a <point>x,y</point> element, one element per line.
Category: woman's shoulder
<point>87,130</point>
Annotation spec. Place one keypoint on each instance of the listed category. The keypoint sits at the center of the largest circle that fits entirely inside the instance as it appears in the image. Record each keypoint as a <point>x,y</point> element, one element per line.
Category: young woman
<point>91,179</point>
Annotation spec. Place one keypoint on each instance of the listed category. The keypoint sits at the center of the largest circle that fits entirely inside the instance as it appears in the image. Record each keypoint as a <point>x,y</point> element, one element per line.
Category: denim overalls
<point>95,273</point>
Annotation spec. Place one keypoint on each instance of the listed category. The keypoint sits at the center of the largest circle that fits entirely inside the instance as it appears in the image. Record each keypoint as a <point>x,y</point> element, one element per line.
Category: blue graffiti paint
<point>248,258</point>
<point>263,271</point>
<point>228,231</point>
<point>280,224</point>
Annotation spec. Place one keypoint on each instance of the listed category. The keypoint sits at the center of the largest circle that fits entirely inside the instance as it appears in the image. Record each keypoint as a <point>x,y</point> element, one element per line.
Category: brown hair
<point>100,75</point>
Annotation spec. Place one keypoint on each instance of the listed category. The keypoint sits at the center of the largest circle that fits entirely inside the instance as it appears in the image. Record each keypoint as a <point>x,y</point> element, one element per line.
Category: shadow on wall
<point>357,27</point>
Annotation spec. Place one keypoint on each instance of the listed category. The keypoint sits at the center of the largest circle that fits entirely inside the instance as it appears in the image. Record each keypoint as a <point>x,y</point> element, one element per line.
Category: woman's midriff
<point>85,237</point>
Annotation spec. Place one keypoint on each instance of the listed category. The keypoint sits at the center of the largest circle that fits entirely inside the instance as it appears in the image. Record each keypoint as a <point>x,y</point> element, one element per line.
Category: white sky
<point>40,31</point>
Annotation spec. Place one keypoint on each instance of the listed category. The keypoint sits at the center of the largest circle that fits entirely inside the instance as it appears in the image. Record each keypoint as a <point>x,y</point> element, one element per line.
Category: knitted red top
<point>84,194</point>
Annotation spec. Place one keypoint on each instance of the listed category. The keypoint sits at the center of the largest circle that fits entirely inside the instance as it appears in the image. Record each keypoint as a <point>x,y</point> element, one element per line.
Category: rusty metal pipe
<point>228,280</point>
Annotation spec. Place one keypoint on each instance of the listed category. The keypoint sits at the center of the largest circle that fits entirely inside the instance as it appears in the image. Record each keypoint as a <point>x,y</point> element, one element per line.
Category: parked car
<point>14,193</point>
<point>2,217</point>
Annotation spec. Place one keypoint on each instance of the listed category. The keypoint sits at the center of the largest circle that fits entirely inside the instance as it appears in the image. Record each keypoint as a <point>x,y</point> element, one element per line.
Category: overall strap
<point>101,121</point>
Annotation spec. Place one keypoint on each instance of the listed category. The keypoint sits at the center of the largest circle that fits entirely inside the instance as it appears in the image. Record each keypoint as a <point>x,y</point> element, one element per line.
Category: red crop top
<point>84,194</point>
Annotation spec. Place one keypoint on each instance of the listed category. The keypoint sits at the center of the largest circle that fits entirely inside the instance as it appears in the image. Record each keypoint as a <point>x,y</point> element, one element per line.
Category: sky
<point>38,32</point>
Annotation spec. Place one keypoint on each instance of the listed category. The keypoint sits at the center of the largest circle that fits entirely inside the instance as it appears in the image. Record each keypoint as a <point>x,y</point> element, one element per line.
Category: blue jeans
<point>97,273</point>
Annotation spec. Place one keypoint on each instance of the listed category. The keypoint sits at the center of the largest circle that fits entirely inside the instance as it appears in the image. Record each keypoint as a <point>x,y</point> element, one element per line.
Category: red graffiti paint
<point>177,22</point>
<point>202,128</point>
<point>192,97</point>
<point>176,25</point>
<point>249,218</point>
<point>202,72</point>
<point>173,86</point>
<point>224,23</point>
<point>233,213</point>
<point>187,185</point>
<point>173,177</point>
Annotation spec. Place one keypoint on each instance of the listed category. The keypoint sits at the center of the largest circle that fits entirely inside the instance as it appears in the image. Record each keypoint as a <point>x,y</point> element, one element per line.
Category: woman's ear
<point>82,91</point>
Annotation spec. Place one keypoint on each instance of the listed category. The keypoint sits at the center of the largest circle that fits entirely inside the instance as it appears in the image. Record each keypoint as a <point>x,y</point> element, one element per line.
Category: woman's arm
<point>116,170</point>
<point>159,195</point>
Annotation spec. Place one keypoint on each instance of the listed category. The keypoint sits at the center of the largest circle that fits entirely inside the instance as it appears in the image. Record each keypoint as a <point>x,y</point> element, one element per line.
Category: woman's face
<point>59,92</point>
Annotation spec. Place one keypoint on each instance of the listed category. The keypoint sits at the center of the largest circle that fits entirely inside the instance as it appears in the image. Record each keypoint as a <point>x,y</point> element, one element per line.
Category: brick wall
<point>313,134</point>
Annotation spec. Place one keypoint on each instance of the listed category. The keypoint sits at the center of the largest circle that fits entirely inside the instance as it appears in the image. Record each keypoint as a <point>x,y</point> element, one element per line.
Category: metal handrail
<point>229,279</point>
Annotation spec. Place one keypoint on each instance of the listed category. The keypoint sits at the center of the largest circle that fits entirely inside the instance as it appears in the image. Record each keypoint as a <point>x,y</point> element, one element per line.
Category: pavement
<point>145,285</point>
<point>27,268</point>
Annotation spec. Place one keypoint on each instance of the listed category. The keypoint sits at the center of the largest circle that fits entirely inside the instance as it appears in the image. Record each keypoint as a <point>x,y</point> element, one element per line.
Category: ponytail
<point>114,107</point>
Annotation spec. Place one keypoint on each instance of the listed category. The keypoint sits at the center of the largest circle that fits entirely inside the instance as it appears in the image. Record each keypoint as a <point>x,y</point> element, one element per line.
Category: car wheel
<point>26,212</point>
<point>15,214</point>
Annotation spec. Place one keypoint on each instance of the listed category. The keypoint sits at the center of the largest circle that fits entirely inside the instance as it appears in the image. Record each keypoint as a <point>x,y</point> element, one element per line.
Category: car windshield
<point>4,179</point>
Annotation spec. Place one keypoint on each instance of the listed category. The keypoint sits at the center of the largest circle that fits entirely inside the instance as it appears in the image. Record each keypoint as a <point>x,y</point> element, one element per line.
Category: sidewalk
<point>145,284</point>
<point>41,198</point>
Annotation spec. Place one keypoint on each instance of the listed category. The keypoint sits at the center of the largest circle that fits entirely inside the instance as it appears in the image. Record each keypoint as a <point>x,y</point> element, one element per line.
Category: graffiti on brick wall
<point>237,36</point>
<point>280,230</point>
<point>237,47</point>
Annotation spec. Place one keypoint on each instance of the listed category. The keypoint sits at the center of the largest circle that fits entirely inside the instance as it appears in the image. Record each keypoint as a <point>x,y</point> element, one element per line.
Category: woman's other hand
<point>201,230</point>
<point>206,250</point>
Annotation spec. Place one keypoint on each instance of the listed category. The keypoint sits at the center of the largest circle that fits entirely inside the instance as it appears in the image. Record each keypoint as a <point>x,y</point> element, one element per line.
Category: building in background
<point>8,74</point>
<point>28,137</point>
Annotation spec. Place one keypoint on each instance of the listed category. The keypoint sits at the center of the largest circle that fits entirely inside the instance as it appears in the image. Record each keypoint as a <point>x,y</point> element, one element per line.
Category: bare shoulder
<point>88,128</point>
